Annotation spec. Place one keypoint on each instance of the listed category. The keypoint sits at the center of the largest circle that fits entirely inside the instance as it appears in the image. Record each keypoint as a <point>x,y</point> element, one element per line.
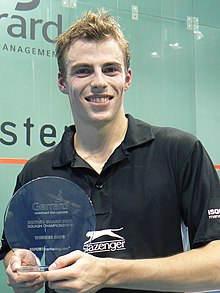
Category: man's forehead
<point>87,52</point>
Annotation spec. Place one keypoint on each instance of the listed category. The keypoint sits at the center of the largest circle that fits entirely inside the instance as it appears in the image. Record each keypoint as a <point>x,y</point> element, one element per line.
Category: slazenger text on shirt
<point>104,246</point>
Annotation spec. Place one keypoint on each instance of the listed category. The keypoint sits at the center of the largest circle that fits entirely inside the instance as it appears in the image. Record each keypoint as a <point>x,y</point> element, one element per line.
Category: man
<point>143,181</point>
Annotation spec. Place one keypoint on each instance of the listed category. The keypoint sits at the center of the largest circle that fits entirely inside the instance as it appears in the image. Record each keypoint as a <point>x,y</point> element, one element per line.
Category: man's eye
<point>110,70</point>
<point>82,72</point>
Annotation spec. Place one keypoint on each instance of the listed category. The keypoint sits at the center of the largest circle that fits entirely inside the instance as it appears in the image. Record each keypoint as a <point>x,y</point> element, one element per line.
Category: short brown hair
<point>95,27</point>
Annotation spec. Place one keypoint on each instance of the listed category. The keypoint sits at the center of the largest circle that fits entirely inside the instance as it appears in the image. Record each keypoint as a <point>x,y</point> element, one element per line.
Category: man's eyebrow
<point>72,63</point>
<point>75,63</point>
<point>113,63</point>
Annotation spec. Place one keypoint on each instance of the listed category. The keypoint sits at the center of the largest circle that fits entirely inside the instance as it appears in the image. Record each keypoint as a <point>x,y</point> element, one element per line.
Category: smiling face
<point>95,81</point>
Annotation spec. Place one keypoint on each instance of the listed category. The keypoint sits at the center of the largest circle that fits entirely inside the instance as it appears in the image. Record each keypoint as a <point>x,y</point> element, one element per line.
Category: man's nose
<point>98,81</point>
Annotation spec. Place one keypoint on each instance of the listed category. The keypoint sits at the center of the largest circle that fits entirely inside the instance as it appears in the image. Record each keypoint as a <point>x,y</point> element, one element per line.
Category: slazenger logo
<point>214,213</point>
<point>118,243</point>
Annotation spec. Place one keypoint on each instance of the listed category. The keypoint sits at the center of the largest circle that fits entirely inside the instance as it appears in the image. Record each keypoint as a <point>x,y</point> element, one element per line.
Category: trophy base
<point>29,269</point>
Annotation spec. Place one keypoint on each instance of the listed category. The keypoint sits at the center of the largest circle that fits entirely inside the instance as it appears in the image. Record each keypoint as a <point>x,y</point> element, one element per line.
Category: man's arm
<point>194,270</point>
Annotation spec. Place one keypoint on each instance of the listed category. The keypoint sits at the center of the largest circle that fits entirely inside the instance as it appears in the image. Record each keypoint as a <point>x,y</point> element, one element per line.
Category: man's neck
<point>96,144</point>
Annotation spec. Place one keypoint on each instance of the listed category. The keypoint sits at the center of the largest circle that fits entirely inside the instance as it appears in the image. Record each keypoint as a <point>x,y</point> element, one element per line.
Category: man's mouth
<point>98,99</point>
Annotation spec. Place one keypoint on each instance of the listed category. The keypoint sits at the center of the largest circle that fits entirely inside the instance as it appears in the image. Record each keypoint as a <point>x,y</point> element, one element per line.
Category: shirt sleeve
<point>200,197</point>
<point>4,247</point>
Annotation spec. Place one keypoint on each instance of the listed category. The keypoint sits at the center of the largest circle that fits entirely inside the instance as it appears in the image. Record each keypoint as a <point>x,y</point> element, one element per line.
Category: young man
<point>144,181</point>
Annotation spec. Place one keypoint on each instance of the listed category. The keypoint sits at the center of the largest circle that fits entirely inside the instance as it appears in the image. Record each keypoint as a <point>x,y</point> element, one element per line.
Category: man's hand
<point>22,282</point>
<point>76,272</point>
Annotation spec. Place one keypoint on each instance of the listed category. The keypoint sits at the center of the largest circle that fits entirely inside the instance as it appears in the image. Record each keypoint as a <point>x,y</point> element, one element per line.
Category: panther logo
<point>92,235</point>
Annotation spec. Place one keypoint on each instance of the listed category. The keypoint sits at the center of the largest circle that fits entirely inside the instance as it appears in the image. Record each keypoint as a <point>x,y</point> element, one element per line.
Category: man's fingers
<point>66,260</point>
<point>54,275</point>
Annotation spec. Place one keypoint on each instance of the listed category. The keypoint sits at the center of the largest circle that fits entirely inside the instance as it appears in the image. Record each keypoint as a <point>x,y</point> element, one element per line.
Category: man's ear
<point>128,79</point>
<point>62,83</point>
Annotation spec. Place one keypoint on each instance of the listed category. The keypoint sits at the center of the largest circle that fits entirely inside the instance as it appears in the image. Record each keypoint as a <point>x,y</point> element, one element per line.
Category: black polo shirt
<point>157,178</point>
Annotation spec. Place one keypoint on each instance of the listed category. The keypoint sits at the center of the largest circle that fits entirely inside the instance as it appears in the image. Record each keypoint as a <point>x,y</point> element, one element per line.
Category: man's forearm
<point>194,270</point>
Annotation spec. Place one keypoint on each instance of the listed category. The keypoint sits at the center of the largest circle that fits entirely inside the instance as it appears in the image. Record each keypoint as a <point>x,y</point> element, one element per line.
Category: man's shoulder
<point>38,165</point>
<point>43,157</point>
<point>167,133</point>
<point>47,163</point>
<point>48,156</point>
<point>173,134</point>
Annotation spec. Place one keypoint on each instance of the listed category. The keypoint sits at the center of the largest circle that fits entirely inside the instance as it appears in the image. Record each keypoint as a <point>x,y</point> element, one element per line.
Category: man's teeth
<point>99,99</point>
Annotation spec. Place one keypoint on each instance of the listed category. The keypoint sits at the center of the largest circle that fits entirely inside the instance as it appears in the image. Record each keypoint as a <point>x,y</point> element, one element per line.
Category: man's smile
<point>99,99</point>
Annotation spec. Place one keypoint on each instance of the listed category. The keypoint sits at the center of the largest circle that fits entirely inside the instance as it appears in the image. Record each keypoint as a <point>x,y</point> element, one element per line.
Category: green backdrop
<point>176,72</point>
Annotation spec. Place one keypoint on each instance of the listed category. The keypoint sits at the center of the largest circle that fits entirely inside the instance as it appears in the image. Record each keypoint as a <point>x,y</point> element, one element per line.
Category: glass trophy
<point>51,216</point>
